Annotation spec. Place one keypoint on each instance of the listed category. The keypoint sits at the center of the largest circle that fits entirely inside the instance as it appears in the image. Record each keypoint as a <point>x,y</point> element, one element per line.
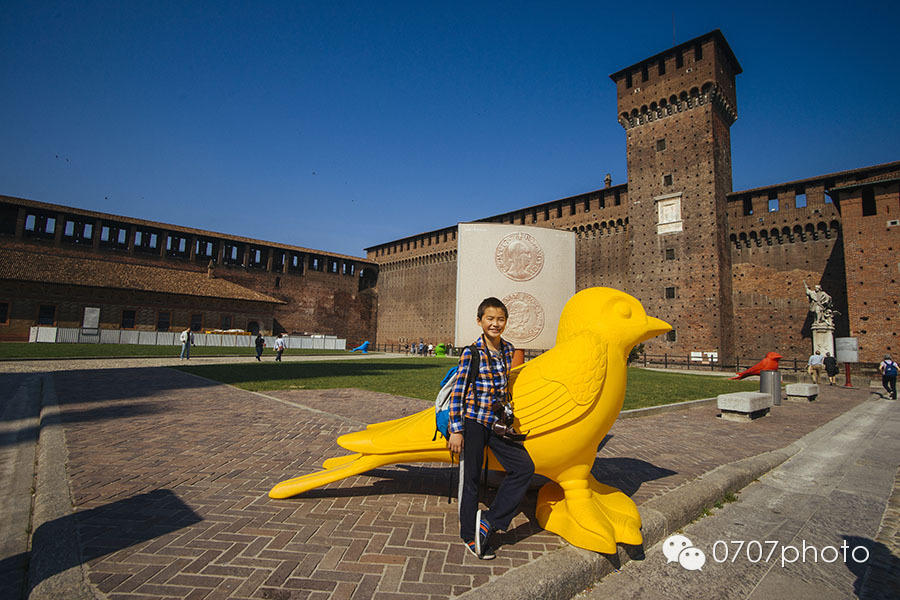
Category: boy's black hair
<point>492,303</point>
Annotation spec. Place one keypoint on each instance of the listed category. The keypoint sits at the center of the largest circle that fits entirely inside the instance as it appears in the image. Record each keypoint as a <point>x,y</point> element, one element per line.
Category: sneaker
<point>488,553</point>
<point>482,534</point>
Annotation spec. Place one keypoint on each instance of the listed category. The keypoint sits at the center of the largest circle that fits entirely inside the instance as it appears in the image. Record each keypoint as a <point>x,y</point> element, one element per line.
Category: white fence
<point>74,335</point>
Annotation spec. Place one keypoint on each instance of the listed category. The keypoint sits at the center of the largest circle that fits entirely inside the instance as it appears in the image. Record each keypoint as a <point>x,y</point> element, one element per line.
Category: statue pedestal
<point>823,339</point>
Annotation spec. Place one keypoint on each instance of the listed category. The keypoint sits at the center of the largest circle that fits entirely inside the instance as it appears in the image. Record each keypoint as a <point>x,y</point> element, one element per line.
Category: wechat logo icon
<point>678,548</point>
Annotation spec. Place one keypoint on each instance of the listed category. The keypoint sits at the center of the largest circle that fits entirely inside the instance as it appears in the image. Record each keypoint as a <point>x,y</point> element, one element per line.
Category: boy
<point>471,419</point>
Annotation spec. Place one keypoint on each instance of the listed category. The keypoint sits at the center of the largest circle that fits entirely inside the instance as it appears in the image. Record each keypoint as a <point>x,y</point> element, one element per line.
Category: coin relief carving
<point>526,317</point>
<point>519,256</point>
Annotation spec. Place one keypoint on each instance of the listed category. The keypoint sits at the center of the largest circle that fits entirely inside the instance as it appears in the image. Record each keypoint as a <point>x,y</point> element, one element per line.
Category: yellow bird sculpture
<point>566,400</point>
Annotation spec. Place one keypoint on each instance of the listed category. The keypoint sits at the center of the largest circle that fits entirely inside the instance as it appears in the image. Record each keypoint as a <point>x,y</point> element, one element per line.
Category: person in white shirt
<point>187,338</point>
<point>815,366</point>
<point>279,347</point>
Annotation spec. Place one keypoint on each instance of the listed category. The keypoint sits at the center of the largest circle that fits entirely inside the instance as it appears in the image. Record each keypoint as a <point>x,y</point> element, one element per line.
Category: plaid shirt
<point>493,375</point>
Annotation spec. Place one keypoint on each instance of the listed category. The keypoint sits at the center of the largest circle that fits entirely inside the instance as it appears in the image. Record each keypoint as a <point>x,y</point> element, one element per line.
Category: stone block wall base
<point>804,399</point>
<point>743,417</point>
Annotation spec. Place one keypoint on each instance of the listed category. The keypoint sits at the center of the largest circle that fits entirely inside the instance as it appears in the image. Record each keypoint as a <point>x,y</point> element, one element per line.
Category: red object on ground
<point>847,371</point>
<point>769,363</point>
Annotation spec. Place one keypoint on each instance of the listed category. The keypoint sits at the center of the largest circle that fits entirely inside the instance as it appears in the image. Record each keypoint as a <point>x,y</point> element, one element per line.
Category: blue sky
<point>338,125</point>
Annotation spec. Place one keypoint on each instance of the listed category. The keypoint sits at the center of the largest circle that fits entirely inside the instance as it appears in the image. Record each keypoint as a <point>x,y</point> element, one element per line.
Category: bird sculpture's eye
<point>623,309</point>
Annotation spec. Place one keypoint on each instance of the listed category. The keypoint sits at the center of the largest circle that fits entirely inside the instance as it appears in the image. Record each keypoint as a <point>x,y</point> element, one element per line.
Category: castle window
<point>628,80</point>
<point>670,253</point>
<point>661,145</point>
<point>128,317</point>
<point>645,75</point>
<point>748,206</point>
<point>868,202</point>
<point>670,336</point>
<point>773,203</point>
<point>4,313</point>
<point>587,205</point>
<point>558,211</point>
<point>278,282</point>
<point>662,66</point>
<point>163,320</point>
<point>679,60</point>
<point>226,322</point>
<point>698,52</point>
<point>667,179</point>
<point>572,207</point>
<point>618,198</point>
<point>196,322</point>
<point>46,314</point>
<point>800,199</point>
<point>670,292</point>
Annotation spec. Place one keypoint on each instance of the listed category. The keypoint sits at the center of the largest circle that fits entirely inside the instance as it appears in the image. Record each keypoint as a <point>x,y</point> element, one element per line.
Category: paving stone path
<point>170,473</point>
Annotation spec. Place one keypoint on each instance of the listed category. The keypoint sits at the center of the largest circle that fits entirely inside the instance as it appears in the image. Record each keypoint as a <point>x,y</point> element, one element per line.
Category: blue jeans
<point>185,350</point>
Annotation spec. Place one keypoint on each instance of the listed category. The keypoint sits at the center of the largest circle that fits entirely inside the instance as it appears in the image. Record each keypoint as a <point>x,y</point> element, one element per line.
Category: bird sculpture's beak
<point>654,328</point>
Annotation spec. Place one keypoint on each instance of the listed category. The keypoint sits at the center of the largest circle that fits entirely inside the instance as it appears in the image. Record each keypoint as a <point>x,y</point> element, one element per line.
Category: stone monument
<point>531,269</point>
<point>821,305</point>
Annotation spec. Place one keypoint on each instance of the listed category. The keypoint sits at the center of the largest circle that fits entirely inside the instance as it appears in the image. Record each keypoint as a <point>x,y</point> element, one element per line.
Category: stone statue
<point>820,303</point>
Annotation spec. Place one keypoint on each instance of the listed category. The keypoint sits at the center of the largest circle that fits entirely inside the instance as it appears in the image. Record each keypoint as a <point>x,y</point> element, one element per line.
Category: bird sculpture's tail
<point>407,440</point>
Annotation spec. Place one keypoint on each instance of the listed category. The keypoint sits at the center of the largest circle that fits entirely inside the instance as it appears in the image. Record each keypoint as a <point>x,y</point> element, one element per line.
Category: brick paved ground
<point>170,472</point>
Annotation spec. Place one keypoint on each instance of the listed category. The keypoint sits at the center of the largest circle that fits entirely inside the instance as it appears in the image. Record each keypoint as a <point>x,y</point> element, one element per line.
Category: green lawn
<point>25,350</point>
<point>419,378</point>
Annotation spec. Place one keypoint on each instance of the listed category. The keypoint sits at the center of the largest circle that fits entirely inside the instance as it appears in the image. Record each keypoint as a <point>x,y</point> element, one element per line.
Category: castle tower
<point>677,108</point>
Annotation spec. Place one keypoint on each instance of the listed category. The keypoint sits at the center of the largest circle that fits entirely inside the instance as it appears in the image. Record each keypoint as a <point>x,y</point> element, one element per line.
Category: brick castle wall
<point>324,293</point>
<point>872,232</point>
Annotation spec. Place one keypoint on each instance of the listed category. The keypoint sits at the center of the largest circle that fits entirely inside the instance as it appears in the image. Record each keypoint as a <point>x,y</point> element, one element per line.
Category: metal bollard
<point>770,383</point>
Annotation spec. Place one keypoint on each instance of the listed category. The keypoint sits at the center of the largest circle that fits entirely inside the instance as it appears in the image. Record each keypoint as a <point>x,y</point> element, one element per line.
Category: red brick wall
<point>316,302</point>
<point>873,268</point>
<point>70,301</point>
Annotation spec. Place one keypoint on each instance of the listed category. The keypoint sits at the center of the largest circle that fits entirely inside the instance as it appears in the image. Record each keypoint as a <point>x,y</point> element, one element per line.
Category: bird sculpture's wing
<point>559,386</point>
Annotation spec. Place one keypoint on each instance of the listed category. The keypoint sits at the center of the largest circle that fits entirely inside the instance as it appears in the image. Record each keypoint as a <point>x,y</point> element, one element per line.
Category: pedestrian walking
<point>831,368</point>
<point>260,344</point>
<point>187,339</point>
<point>815,365</point>
<point>279,347</point>
<point>888,370</point>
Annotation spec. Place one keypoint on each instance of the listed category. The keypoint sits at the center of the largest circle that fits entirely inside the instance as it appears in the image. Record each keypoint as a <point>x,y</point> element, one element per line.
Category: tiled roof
<point>20,265</point>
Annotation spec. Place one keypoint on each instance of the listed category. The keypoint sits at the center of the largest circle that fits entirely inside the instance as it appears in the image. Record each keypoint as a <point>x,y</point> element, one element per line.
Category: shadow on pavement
<point>76,416</point>
<point>627,474</point>
<point>100,531</point>
<point>876,577</point>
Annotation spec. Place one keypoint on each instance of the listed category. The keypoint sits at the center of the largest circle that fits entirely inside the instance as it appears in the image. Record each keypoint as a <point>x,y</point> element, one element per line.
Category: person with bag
<point>481,417</point>
<point>279,347</point>
<point>831,368</point>
<point>260,344</point>
<point>187,338</point>
<point>888,370</point>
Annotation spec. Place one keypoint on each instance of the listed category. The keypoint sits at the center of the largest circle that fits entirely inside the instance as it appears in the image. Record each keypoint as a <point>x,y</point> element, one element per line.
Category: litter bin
<point>770,383</point>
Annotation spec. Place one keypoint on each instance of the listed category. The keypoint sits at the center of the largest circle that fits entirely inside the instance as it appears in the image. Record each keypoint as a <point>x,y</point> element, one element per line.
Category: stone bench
<point>801,392</point>
<point>744,406</point>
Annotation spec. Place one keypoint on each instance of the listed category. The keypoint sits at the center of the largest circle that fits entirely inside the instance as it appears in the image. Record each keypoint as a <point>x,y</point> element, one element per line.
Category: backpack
<point>442,402</point>
<point>890,368</point>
